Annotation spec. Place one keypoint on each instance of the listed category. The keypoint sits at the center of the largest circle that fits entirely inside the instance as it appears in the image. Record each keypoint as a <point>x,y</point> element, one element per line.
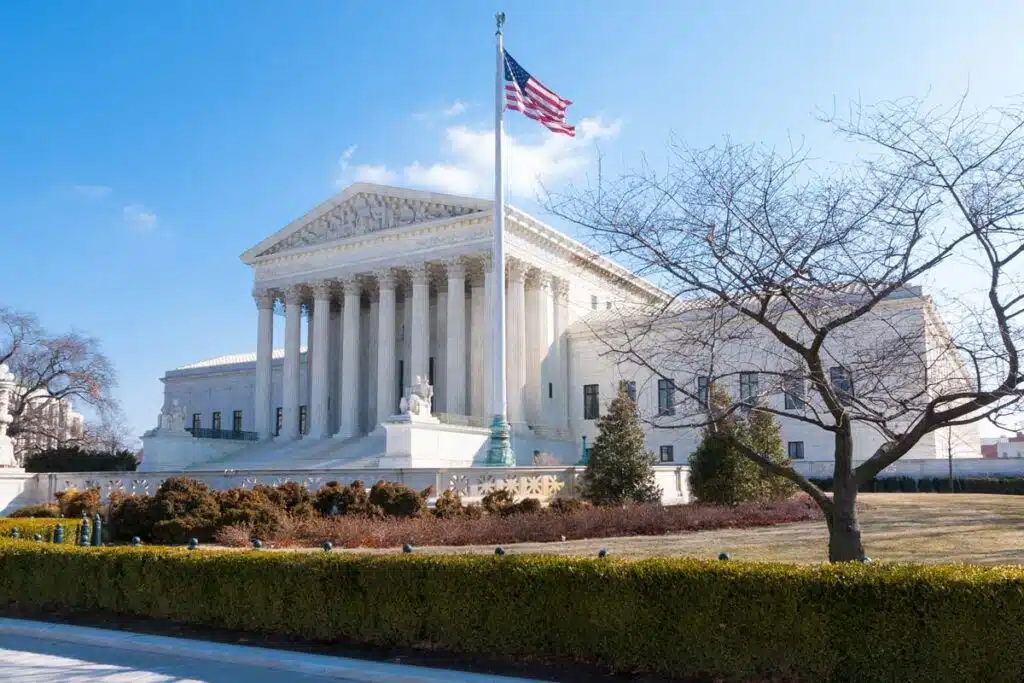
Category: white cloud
<point>90,191</point>
<point>454,109</point>
<point>349,173</point>
<point>138,218</point>
<point>467,166</point>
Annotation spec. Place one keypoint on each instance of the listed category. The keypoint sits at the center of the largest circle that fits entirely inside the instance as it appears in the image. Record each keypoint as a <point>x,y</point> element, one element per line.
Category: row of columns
<point>535,326</point>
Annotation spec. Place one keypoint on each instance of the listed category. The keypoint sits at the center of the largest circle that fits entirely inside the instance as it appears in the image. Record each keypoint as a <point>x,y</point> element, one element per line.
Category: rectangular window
<point>551,389</point>
<point>302,419</point>
<point>666,397</point>
<point>608,305</point>
<point>703,383</point>
<point>666,454</point>
<point>748,388</point>
<point>279,421</point>
<point>628,387</point>
<point>236,421</point>
<point>591,404</point>
<point>794,389</point>
<point>197,421</point>
<point>216,421</point>
<point>796,450</point>
<point>430,371</point>
<point>842,384</point>
<point>399,377</point>
<point>593,301</point>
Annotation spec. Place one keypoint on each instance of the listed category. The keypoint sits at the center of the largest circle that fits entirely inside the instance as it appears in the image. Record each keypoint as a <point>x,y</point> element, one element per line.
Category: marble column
<point>292,343</point>
<point>419,353</point>
<point>441,348</point>
<point>548,349</point>
<point>488,319</point>
<point>318,349</point>
<point>515,342</point>
<point>387,402</point>
<point>263,420</point>
<point>560,365</point>
<point>350,389</point>
<point>307,396</point>
<point>372,350</point>
<point>339,368</point>
<point>478,347</point>
<point>532,354</point>
<point>455,345</point>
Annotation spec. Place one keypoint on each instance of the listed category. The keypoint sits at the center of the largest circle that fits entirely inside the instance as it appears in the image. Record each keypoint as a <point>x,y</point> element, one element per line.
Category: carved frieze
<point>364,214</point>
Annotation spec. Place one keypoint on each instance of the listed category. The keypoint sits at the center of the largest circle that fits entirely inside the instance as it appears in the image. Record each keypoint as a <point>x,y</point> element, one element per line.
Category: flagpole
<point>500,451</point>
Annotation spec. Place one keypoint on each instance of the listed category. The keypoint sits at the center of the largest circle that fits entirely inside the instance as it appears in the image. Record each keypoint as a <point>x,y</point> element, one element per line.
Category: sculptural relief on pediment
<point>364,214</point>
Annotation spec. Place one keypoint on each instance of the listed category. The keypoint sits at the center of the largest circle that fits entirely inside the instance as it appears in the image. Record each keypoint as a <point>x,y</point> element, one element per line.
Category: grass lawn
<point>897,527</point>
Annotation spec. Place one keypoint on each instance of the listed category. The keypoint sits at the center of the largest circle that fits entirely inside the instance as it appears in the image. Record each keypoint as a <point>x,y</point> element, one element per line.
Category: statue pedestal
<point>7,452</point>
<point>413,441</point>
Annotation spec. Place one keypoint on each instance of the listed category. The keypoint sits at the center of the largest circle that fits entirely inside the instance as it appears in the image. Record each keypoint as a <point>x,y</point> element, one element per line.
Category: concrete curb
<point>341,668</point>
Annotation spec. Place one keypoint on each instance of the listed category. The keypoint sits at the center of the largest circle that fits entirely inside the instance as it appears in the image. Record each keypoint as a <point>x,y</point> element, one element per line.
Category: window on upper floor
<point>795,450</point>
<point>666,397</point>
<point>215,422</point>
<point>236,421</point>
<point>794,390</point>
<point>666,453</point>
<point>591,402</point>
<point>842,384</point>
<point>748,388</point>
<point>279,421</point>
<point>593,301</point>
<point>608,305</point>
<point>303,421</point>
<point>197,421</point>
<point>703,393</point>
<point>628,387</point>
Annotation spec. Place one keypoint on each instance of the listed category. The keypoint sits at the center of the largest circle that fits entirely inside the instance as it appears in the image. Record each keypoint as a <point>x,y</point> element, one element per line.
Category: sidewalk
<point>43,652</point>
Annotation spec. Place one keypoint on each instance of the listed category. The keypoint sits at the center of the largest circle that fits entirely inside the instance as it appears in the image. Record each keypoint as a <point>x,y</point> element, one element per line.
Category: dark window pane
<point>591,405</point>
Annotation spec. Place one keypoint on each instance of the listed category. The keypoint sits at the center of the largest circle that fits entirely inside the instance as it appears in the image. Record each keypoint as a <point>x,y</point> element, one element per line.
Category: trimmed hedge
<point>1013,486</point>
<point>28,527</point>
<point>671,617</point>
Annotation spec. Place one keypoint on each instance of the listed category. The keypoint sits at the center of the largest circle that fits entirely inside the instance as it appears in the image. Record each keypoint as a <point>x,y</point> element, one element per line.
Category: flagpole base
<point>500,450</point>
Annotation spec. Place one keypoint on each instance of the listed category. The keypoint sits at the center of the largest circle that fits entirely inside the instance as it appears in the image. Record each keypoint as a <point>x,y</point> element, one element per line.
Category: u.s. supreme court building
<point>392,285</point>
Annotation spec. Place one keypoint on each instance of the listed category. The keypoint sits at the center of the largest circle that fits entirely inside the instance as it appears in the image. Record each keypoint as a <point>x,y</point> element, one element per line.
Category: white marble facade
<point>391,282</point>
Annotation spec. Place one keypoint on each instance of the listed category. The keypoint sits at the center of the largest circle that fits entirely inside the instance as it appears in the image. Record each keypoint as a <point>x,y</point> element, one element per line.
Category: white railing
<point>471,483</point>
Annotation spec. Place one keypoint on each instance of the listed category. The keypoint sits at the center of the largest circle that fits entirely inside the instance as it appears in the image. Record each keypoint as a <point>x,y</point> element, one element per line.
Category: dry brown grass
<point>898,527</point>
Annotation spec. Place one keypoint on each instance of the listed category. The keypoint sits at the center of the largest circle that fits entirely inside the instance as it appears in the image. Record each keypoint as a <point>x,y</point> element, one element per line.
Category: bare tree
<point>801,284</point>
<point>50,369</point>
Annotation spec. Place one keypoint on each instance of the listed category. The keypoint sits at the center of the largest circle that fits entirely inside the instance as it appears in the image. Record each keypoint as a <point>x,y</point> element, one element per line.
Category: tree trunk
<point>844,542</point>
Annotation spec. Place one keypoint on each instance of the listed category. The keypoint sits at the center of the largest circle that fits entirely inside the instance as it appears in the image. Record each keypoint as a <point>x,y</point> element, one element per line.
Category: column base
<point>500,450</point>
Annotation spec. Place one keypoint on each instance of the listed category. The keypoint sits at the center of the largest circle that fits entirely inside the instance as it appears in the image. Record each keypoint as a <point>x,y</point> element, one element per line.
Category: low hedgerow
<point>28,528</point>
<point>713,620</point>
<point>350,531</point>
<point>1000,485</point>
<point>40,511</point>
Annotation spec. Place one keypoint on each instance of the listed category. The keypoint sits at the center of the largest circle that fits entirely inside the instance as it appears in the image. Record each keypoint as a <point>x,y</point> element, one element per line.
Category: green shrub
<point>620,468</point>
<point>499,502</point>
<point>721,474</point>
<point>528,506</point>
<point>184,508</point>
<point>28,527</point>
<point>75,459</point>
<point>45,510</point>
<point>448,505</point>
<point>334,498</point>
<point>827,624</point>
<point>567,506</point>
<point>291,497</point>
<point>905,484</point>
<point>74,503</point>
<point>250,507</point>
<point>130,516</point>
<point>398,500</point>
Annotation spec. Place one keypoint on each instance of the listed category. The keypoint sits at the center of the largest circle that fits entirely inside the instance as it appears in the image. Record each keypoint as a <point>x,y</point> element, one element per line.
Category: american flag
<point>525,93</point>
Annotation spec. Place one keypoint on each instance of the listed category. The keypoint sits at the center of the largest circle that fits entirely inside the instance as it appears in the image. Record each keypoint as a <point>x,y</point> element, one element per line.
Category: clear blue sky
<point>144,146</point>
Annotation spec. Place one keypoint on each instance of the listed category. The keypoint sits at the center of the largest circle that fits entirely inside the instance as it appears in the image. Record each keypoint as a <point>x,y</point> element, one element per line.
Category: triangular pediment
<point>362,209</point>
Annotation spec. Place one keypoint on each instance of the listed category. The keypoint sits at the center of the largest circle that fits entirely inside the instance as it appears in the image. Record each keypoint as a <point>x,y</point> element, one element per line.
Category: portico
<point>371,309</point>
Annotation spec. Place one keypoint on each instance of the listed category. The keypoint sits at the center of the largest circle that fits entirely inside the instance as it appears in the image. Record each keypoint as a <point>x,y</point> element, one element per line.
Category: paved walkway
<point>35,652</point>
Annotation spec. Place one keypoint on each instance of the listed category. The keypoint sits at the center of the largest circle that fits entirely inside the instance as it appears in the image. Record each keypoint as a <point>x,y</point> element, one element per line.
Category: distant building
<point>47,422</point>
<point>1003,447</point>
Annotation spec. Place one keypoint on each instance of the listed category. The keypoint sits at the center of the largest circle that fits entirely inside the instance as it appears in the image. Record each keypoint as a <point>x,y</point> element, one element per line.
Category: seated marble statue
<point>172,419</point>
<point>417,398</point>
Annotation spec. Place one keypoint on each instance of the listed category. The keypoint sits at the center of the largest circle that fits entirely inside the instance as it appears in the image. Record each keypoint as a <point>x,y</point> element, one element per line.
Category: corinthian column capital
<point>293,295</point>
<point>515,270</point>
<point>322,290</point>
<point>264,298</point>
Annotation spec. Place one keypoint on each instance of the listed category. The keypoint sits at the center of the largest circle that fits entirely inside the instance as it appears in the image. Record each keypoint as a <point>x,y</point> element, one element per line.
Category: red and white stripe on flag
<point>524,93</point>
